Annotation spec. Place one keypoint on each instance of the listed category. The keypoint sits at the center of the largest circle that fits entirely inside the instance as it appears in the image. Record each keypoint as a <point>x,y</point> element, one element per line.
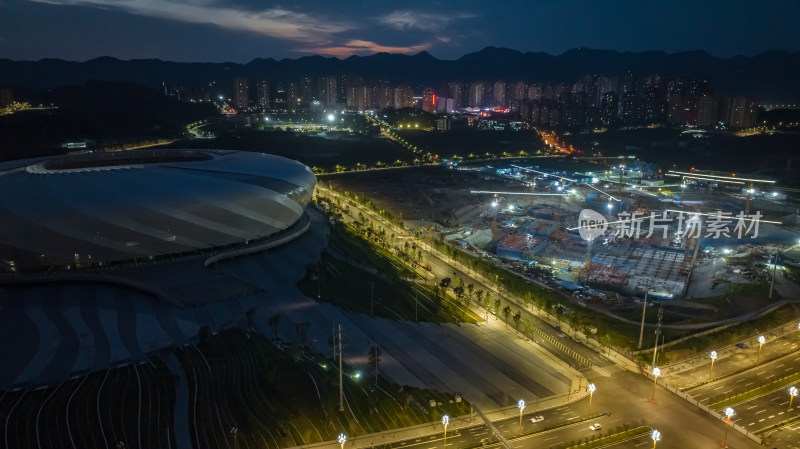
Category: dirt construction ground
<point>436,194</point>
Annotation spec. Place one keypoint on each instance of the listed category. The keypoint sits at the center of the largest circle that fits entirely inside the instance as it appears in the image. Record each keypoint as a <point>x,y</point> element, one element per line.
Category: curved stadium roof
<point>86,209</point>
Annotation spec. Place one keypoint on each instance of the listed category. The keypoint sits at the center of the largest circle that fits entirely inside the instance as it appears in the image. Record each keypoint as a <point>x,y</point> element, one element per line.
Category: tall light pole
<point>761,341</point>
<point>445,422</point>
<point>774,272</point>
<point>644,308</point>
<point>656,373</point>
<point>728,414</point>
<point>656,436</point>
<point>591,389</point>
<point>792,394</point>
<point>331,118</point>
<point>234,435</point>
<point>342,439</point>
<point>658,332</point>
<point>521,405</point>
<point>341,384</point>
<point>713,356</point>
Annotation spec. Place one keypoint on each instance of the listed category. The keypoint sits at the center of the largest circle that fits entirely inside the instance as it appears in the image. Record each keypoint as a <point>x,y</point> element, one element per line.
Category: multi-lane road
<point>626,398</point>
<point>758,410</point>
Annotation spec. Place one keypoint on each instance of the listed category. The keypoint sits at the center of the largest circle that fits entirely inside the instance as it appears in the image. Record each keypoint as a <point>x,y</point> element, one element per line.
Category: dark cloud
<point>241,30</point>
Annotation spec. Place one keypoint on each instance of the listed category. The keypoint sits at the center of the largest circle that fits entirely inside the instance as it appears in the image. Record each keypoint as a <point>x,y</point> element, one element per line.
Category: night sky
<point>241,30</point>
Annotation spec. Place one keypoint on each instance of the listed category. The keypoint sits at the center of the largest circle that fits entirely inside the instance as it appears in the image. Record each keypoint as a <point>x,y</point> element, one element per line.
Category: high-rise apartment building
<point>608,109</point>
<point>262,94</point>
<point>744,112</point>
<point>456,90</point>
<point>520,91</point>
<point>429,100</point>
<point>499,94</point>
<point>706,110</point>
<point>403,97</point>
<point>384,96</point>
<point>241,93</point>
<point>535,92</point>
<point>477,90</point>
<point>328,91</point>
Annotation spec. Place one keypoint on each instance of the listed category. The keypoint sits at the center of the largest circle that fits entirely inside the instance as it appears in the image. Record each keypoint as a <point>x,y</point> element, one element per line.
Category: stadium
<point>108,257</point>
<point>98,209</point>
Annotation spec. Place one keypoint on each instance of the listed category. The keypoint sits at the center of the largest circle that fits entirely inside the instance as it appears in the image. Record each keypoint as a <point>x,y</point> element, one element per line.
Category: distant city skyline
<point>242,30</point>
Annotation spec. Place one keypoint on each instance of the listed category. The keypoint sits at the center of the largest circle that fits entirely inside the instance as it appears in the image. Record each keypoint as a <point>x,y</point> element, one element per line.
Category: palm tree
<point>528,298</point>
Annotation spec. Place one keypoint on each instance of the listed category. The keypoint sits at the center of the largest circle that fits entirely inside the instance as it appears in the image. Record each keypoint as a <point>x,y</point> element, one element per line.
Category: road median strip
<point>756,392</point>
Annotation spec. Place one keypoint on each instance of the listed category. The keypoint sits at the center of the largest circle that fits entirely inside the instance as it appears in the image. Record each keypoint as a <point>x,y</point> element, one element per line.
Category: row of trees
<point>467,294</point>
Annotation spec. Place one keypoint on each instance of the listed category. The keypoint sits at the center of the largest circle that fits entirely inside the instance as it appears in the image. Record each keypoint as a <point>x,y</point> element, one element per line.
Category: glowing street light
<point>521,405</point>
<point>656,373</point>
<point>713,355</point>
<point>591,389</point>
<point>792,394</point>
<point>728,414</point>
<point>445,422</point>
<point>342,440</point>
<point>331,117</point>
<point>656,436</point>
<point>761,341</point>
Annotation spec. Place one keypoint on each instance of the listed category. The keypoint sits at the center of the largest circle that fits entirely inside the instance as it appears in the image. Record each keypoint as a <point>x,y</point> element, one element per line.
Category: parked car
<point>595,426</point>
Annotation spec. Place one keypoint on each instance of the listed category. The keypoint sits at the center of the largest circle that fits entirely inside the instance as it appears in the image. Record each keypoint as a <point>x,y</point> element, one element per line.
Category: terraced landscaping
<point>275,395</point>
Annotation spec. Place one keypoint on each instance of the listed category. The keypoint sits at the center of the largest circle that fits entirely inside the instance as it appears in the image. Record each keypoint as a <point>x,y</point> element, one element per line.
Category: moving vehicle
<point>595,426</point>
<point>536,419</point>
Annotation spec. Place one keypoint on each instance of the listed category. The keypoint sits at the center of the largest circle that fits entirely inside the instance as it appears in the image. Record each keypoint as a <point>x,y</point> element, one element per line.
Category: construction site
<point>668,235</point>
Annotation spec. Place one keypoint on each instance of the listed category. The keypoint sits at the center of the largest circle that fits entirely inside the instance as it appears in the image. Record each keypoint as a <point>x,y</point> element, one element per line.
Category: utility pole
<point>341,387</point>
<point>774,270</point>
<point>644,307</point>
<point>658,331</point>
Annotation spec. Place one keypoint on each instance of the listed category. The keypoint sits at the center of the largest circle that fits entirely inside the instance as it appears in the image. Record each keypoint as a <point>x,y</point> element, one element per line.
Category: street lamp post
<point>656,373</point>
<point>761,341</point>
<point>521,405</point>
<point>445,422</point>
<point>342,440</point>
<point>792,394</point>
<point>728,414</point>
<point>656,436</point>
<point>591,389</point>
<point>234,435</point>
<point>713,356</point>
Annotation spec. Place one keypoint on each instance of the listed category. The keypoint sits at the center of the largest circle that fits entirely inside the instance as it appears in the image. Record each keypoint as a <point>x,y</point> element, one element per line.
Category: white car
<point>595,426</point>
<point>536,419</point>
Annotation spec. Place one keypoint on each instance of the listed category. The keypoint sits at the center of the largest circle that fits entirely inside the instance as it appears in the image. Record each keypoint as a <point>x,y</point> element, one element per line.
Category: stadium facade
<point>100,209</point>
